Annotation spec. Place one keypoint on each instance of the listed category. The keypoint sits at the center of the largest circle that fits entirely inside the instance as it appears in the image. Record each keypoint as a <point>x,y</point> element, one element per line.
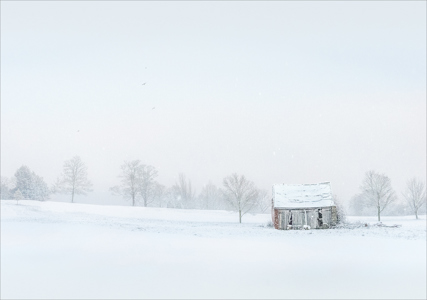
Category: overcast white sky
<point>282,92</point>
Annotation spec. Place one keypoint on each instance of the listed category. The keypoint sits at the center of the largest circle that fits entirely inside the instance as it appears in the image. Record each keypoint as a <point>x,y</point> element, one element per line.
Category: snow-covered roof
<point>302,195</point>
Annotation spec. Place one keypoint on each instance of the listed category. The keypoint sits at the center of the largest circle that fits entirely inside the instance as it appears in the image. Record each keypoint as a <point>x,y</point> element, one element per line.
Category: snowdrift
<point>56,250</point>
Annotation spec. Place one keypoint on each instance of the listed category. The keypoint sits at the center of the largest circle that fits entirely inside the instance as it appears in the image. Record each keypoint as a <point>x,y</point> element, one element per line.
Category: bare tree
<point>377,191</point>
<point>240,193</point>
<point>73,179</point>
<point>146,184</point>
<point>130,181</point>
<point>415,194</point>
<point>183,192</point>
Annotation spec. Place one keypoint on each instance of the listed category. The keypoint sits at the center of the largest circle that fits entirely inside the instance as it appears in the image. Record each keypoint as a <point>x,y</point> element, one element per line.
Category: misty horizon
<point>281,92</point>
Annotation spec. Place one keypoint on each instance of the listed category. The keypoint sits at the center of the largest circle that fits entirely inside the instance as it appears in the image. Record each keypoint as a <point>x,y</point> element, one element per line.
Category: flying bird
<point>144,83</point>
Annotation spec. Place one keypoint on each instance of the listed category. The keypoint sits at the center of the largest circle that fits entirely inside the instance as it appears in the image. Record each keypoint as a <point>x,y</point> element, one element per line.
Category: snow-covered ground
<point>62,250</point>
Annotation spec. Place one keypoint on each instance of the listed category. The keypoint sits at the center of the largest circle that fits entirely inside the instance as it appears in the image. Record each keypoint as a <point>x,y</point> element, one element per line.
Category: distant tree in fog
<point>341,212</point>
<point>18,196</point>
<point>183,193</point>
<point>209,197</point>
<point>415,195</point>
<point>73,179</point>
<point>263,201</point>
<point>159,194</point>
<point>138,183</point>
<point>358,206</point>
<point>25,182</point>
<point>169,198</point>
<point>6,188</point>
<point>240,193</point>
<point>41,190</point>
<point>398,208</point>
<point>377,191</point>
<point>130,181</point>
<point>30,185</point>
<point>146,184</point>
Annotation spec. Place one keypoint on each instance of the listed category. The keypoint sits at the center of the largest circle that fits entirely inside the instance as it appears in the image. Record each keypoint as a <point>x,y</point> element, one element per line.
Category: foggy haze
<point>282,92</point>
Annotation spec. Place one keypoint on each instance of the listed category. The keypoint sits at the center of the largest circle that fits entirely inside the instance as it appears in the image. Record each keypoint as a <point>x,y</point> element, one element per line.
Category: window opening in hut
<point>320,217</point>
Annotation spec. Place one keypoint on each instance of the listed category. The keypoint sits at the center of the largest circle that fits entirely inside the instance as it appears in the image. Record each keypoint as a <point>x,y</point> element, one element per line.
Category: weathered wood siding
<point>297,218</point>
<point>275,215</point>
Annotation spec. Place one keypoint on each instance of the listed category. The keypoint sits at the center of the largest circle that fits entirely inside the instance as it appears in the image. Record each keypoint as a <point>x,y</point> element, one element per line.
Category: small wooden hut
<point>303,206</point>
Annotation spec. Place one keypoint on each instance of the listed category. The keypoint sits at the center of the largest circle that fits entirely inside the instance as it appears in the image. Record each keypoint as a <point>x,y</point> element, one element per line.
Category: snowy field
<point>62,250</point>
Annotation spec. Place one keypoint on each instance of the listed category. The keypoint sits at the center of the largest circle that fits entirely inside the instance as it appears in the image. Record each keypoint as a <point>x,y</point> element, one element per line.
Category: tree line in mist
<point>138,185</point>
